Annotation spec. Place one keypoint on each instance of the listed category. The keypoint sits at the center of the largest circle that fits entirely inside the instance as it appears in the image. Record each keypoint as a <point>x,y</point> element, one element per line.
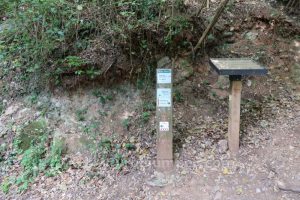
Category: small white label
<point>164,97</point>
<point>164,76</point>
<point>164,126</point>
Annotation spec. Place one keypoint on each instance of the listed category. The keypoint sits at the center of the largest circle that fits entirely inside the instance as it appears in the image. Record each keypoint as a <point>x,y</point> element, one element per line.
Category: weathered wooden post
<point>164,106</point>
<point>235,68</point>
<point>234,113</point>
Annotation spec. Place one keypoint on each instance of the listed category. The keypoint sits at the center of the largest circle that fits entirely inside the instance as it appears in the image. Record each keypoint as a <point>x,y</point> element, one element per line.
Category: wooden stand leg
<point>234,114</point>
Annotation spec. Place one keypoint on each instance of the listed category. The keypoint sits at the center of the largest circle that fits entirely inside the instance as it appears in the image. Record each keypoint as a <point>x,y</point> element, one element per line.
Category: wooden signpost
<point>164,106</point>
<point>235,68</point>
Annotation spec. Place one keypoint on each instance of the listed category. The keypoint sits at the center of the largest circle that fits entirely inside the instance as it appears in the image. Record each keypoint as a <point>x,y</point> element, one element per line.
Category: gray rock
<point>218,196</point>
<point>163,62</point>
<point>2,129</point>
<point>296,73</point>
<point>249,83</point>
<point>222,146</point>
<point>228,34</point>
<point>43,101</point>
<point>23,113</point>
<point>14,88</point>
<point>11,110</point>
<point>208,143</point>
<point>1,126</point>
<point>263,123</point>
<point>56,103</point>
<point>223,82</point>
<point>219,93</point>
<point>258,190</point>
<point>202,145</point>
<point>251,35</point>
<point>158,180</point>
<point>5,26</point>
<point>184,71</point>
<point>72,143</point>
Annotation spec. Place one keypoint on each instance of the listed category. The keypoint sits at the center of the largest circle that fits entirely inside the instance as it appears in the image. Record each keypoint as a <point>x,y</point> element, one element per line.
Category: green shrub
<point>38,158</point>
<point>37,29</point>
<point>80,114</point>
<point>114,153</point>
<point>48,37</point>
<point>145,117</point>
<point>5,185</point>
<point>1,108</point>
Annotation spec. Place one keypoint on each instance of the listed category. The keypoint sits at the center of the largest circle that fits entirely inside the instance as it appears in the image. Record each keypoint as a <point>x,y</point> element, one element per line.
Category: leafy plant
<point>54,160</point>
<point>31,164</point>
<point>229,6</point>
<point>118,161</point>
<point>130,146</point>
<point>206,82</point>
<point>1,108</point>
<point>213,93</point>
<point>260,56</point>
<point>97,93</point>
<point>33,98</point>
<point>126,123</point>
<point>114,153</point>
<point>3,148</point>
<point>140,84</point>
<point>148,106</point>
<point>5,185</point>
<point>102,98</point>
<point>37,29</point>
<point>41,156</point>
<point>37,160</point>
<point>47,40</point>
<point>145,117</point>
<point>105,147</point>
<point>176,25</point>
<point>80,114</point>
<point>178,96</point>
<point>74,61</point>
<point>91,127</point>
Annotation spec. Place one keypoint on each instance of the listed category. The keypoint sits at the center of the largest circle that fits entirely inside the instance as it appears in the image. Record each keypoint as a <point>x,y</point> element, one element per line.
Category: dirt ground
<point>269,153</point>
<point>203,168</point>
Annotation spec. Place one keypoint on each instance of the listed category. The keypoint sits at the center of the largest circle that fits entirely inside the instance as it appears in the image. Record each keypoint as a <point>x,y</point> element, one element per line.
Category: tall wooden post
<point>164,125</point>
<point>234,113</point>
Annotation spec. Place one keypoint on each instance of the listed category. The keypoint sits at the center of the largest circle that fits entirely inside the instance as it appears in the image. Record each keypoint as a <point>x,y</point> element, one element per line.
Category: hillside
<point>88,130</point>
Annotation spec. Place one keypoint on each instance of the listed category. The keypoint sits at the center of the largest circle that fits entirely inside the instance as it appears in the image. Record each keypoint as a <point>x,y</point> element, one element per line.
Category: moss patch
<point>31,132</point>
<point>296,73</point>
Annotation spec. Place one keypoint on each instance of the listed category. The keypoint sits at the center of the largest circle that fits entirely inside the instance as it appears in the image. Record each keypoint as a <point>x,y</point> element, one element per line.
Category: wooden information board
<point>236,68</point>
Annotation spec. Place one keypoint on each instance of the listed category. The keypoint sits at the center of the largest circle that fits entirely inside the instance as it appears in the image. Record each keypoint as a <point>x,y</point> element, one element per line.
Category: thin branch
<point>211,25</point>
<point>200,9</point>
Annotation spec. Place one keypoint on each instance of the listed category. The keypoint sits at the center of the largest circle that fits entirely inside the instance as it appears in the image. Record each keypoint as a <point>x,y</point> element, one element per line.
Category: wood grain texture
<point>234,116</point>
<point>164,138</point>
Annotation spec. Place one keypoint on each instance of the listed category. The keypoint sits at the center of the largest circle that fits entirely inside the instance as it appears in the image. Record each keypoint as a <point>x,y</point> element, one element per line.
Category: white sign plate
<point>164,97</point>
<point>164,126</point>
<point>164,76</point>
